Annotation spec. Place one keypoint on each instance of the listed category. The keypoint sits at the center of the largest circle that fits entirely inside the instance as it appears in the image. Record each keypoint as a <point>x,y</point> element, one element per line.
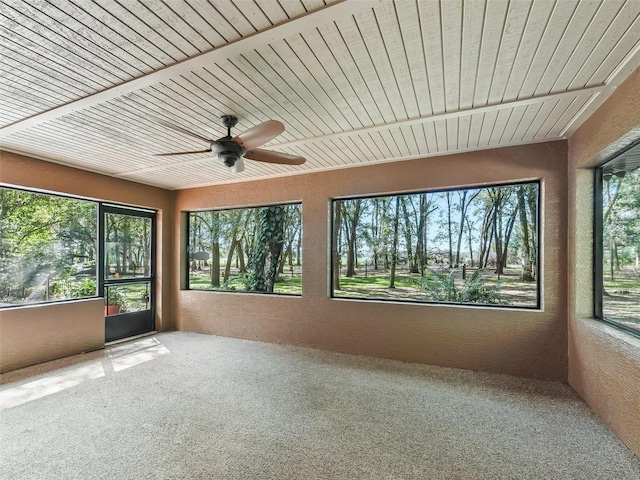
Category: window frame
<point>598,242</point>
<point>538,307</point>
<point>186,250</point>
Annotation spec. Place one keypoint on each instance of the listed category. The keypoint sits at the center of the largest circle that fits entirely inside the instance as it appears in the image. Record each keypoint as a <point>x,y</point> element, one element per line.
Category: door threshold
<point>128,339</point>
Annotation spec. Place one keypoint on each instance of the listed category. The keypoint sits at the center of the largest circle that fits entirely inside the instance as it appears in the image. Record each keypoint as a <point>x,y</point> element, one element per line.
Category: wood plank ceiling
<point>355,81</point>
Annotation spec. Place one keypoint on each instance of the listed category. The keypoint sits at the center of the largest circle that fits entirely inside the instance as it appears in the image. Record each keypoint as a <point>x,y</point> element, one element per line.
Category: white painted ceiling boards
<point>355,82</point>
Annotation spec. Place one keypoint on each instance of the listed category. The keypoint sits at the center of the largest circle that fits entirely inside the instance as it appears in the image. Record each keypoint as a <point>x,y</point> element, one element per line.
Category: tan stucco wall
<point>527,343</point>
<point>29,173</point>
<point>39,333</point>
<point>604,364</point>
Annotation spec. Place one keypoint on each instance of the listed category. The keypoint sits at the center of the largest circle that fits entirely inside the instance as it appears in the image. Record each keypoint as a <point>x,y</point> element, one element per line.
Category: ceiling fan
<point>232,150</point>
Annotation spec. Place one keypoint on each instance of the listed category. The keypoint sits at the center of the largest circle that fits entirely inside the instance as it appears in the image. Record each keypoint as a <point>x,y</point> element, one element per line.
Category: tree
<point>394,248</point>
<point>335,243</point>
<point>266,255</point>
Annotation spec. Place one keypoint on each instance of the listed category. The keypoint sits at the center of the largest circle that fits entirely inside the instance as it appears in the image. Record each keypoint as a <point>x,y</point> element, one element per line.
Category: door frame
<point>144,318</point>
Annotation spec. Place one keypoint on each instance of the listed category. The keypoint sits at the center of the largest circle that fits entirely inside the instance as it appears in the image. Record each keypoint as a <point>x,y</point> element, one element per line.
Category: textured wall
<point>20,171</point>
<point>527,343</point>
<point>45,332</point>
<point>604,364</point>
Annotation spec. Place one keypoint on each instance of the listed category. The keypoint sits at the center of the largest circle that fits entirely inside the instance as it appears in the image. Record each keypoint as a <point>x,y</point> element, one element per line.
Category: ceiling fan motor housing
<point>228,151</point>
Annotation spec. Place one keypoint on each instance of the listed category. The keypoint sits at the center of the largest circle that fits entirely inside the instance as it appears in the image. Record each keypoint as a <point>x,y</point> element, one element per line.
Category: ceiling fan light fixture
<point>229,158</point>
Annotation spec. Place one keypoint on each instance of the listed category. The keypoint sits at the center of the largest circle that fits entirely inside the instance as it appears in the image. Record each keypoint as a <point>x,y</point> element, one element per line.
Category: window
<point>465,246</point>
<point>246,249</point>
<point>617,241</point>
<point>47,247</point>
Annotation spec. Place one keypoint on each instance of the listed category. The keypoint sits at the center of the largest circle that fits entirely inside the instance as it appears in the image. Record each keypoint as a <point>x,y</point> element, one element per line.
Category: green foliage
<point>475,289</point>
<point>87,288</point>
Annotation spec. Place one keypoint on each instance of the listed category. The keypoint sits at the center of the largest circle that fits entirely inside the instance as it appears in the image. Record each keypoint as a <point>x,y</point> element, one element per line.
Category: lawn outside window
<point>256,249</point>
<point>471,246</point>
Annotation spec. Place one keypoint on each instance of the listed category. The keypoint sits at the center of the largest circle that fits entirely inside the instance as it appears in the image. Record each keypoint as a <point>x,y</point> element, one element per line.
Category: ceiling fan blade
<point>181,153</point>
<point>181,130</point>
<point>269,156</point>
<point>260,134</point>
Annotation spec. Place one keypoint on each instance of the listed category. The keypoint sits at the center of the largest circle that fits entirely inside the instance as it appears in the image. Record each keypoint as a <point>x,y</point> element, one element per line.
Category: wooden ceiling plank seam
<point>606,42</point>
<point>390,144</point>
<point>315,71</point>
<point>541,116</point>
<point>253,14</point>
<point>179,118</point>
<point>473,26</point>
<point>455,114</point>
<point>534,30</point>
<point>521,130</point>
<point>28,96</point>
<point>126,34</point>
<point>191,41</point>
<point>17,104</point>
<point>430,135</point>
<point>474,130</point>
<point>189,16</point>
<point>354,41</point>
<point>274,92</point>
<point>309,21</point>
<point>272,10</point>
<point>431,36</point>
<point>488,125</point>
<point>162,92</point>
<point>330,157</point>
<point>37,85</point>
<point>314,85</point>
<point>565,115</point>
<point>244,82</point>
<point>370,146</point>
<point>53,82</point>
<point>420,138</point>
<point>252,112</point>
<point>296,87</point>
<point>72,18</point>
<point>115,120</point>
<point>580,21</point>
<point>361,154</point>
<point>398,137</point>
<point>493,29</point>
<point>216,20</point>
<point>233,15</point>
<point>554,31</point>
<point>411,38</point>
<point>512,124</point>
<point>82,66</point>
<point>313,159</point>
<point>317,44</point>
<point>141,31</point>
<point>552,117</point>
<point>390,39</point>
<point>351,156</point>
<point>587,46</point>
<point>617,55</point>
<point>47,66</point>
<point>510,43</point>
<point>464,125</point>
<point>480,128</point>
<point>255,106</point>
<point>312,4</point>
<point>441,135</point>
<point>451,126</point>
<point>293,8</point>
<point>499,127</point>
<point>451,17</point>
<point>410,140</point>
<point>84,47</point>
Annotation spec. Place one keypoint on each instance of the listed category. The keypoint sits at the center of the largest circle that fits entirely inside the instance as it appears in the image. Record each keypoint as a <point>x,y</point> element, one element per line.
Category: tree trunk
<point>394,253</point>
<point>335,245</point>
<point>527,267</point>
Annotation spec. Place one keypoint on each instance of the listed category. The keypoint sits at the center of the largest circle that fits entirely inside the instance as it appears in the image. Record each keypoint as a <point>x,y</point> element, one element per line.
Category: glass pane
<point>621,246</point>
<point>127,246</point>
<point>247,249</point>
<point>127,298</point>
<point>47,247</point>
<point>470,246</point>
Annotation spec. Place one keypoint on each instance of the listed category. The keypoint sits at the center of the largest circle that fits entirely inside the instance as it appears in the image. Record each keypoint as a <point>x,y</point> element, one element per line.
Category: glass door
<point>127,280</point>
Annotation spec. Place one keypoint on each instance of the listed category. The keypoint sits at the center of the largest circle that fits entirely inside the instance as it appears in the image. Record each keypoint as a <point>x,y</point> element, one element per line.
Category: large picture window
<point>617,232</point>
<point>247,249</point>
<point>47,247</point>
<point>464,246</point>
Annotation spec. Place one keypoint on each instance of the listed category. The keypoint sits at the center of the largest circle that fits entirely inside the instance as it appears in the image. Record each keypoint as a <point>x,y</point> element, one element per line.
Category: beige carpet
<point>189,406</point>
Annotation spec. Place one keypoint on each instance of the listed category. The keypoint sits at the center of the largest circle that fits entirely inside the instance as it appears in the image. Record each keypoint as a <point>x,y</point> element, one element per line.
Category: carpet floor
<point>188,406</point>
